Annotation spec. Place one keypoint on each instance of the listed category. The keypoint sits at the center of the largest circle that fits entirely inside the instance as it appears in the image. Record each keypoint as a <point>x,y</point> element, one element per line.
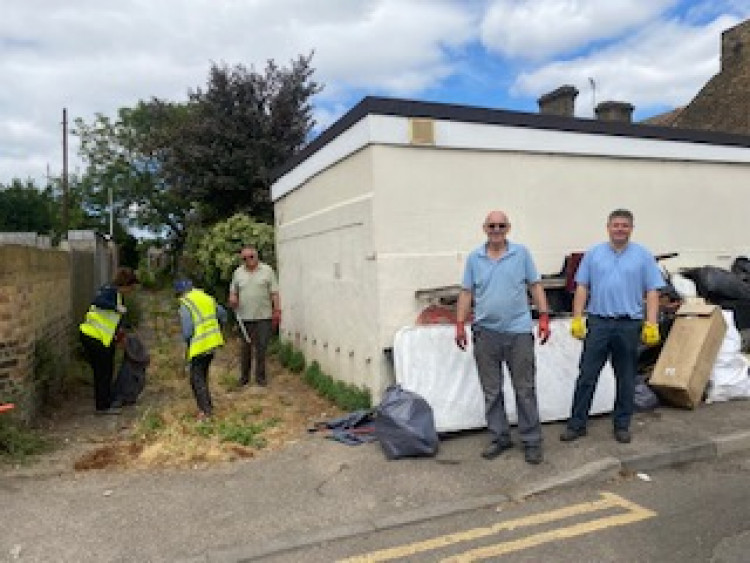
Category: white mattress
<point>428,362</point>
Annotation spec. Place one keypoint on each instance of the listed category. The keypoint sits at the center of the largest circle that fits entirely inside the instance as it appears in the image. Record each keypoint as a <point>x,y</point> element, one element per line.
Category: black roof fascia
<point>372,105</point>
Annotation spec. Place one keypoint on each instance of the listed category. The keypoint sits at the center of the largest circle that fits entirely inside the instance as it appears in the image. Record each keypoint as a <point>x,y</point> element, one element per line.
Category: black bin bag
<point>131,377</point>
<point>404,425</point>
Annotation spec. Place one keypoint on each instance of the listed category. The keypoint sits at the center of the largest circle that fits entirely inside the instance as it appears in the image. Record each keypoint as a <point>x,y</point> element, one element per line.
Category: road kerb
<point>700,451</point>
<point>732,443</point>
<point>601,469</point>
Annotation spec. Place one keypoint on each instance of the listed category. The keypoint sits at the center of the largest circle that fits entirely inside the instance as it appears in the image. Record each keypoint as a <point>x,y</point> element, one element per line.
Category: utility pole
<point>64,221</point>
<point>593,96</point>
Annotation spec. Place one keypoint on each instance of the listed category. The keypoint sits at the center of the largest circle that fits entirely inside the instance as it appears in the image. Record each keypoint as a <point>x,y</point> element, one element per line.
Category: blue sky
<point>94,56</point>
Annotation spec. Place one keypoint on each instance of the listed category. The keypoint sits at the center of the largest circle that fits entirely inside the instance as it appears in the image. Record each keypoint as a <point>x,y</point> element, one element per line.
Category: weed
<point>348,397</point>
<point>18,443</point>
<point>286,350</point>
<point>297,362</point>
<point>228,380</point>
<point>150,424</point>
<point>274,346</point>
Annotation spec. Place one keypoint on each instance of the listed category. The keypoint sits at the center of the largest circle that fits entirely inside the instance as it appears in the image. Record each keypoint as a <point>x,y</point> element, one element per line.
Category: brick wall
<point>35,324</point>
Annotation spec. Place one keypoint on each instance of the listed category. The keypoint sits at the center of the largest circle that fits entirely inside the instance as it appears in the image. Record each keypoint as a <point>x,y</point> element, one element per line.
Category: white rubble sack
<point>428,362</point>
<point>729,377</point>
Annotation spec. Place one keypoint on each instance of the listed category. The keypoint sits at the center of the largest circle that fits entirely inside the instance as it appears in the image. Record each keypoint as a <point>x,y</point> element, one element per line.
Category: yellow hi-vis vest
<point>206,332</point>
<point>101,324</point>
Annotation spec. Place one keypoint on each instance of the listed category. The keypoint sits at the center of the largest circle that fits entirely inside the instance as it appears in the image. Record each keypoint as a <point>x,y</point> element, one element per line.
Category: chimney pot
<point>614,111</point>
<point>560,101</point>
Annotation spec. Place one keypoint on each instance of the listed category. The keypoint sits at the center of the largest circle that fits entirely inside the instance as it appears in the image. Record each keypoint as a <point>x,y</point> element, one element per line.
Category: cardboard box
<point>688,355</point>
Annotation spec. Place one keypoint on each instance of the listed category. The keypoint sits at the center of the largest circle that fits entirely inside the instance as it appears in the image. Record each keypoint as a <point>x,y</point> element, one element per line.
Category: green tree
<point>246,125</point>
<point>176,167</point>
<point>25,207</point>
<point>125,157</point>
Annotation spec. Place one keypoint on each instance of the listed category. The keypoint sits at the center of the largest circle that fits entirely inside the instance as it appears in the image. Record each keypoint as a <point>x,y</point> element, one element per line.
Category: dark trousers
<point>492,350</point>
<point>259,333</point>
<point>101,358</point>
<point>607,339</point>
<point>199,382</point>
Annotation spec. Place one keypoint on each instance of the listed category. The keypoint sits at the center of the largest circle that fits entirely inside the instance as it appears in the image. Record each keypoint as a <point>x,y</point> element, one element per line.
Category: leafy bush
<point>216,251</point>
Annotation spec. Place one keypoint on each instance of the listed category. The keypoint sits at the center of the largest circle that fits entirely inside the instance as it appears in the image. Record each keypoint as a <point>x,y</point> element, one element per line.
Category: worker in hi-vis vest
<point>100,331</point>
<point>201,318</point>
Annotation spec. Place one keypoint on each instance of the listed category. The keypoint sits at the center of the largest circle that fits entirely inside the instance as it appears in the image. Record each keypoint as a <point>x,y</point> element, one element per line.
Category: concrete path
<point>318,489</point>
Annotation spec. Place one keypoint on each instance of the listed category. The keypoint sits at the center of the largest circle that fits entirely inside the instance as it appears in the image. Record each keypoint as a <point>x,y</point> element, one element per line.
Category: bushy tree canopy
<point>216,250</point>
<point>177,166</point>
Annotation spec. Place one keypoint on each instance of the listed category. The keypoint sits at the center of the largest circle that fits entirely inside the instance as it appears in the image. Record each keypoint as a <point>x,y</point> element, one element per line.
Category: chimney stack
<point>615,111</point>
<point>560,101</point>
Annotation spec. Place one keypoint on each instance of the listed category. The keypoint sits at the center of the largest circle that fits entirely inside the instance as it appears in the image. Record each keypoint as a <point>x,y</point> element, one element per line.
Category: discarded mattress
<point>428,362</point>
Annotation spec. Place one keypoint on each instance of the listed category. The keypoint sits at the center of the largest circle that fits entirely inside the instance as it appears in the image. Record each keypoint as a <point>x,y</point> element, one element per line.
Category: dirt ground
<point>162,430</point>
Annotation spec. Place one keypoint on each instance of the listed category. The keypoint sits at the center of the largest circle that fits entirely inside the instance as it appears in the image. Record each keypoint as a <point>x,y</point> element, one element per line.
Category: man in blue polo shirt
<point>613,277</point>
<point>498,276</point>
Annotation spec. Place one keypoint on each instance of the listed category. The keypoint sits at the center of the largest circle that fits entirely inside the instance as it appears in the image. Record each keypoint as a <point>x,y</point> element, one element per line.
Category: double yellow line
<point>608,501</point>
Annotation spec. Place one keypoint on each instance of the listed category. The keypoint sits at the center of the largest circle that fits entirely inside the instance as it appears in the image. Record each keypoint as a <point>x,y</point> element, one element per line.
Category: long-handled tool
<point>243,331</point>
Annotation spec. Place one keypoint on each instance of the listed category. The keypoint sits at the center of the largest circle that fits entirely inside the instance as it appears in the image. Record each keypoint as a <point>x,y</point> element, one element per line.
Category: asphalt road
<point>696,512</point>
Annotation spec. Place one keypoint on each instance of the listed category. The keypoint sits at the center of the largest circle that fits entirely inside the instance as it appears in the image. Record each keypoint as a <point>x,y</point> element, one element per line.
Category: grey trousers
<point>259,333</point>
<point>492,350</point>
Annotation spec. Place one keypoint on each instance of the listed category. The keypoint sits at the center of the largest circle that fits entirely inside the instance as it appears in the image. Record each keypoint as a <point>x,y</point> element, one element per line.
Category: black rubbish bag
<point>131,377</point>
<point>715,283</point>
<point>644,399</point>
<point>404,425</point>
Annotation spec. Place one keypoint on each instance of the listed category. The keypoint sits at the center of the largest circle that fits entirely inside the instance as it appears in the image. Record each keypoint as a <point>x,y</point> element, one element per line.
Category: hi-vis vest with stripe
<point>101,324</point>
<point>206,331</point>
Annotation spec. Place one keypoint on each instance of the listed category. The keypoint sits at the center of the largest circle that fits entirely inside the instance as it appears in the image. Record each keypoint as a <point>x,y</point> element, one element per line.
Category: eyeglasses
<point>250,257</point>
<point>496,226</point>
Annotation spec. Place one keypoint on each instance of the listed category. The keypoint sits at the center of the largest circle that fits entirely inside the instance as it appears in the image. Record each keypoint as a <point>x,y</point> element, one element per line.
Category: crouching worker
<point>200,318</point>
<point>100,331</point>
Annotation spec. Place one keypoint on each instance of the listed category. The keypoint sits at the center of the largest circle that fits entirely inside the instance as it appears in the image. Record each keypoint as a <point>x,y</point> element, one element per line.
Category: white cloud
<point>94,57</point>
<point>663,64</point>
<point>544,28</point>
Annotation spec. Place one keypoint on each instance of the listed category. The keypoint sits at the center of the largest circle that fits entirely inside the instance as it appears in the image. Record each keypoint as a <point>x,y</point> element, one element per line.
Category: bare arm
<point>464,306</point>
<point>539,297</point>
<point>652,306</point>
<point>275,301</point>
<point>579,300</point>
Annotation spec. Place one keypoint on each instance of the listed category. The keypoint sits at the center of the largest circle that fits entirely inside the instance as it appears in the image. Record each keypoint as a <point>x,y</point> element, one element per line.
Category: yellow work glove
<point>650,334</point>
<point>578,328</point>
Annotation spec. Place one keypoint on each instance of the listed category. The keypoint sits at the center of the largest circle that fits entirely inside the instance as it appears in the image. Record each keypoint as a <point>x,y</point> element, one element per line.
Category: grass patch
<point>297,362</point>
<point>150,424</point>
<point>348,397</point>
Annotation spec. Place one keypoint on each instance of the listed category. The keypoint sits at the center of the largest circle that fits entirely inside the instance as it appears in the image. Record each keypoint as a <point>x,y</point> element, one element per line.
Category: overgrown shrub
<point>212,255</point>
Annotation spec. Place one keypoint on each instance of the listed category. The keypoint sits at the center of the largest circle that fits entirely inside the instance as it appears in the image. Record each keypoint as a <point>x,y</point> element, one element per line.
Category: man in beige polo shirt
<point>254,296</point>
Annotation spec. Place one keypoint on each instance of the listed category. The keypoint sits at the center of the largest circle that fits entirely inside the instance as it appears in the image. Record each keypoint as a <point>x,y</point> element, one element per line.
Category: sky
<point>95,56</point>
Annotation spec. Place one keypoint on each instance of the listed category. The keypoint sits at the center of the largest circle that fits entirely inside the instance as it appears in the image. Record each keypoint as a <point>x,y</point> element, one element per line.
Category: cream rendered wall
<point>430,204</point>
<point>327,272</point>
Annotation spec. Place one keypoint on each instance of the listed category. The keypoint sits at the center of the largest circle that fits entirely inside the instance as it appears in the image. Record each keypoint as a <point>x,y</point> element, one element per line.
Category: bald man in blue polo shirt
<point>611,283</point>
<point>498,277</point>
